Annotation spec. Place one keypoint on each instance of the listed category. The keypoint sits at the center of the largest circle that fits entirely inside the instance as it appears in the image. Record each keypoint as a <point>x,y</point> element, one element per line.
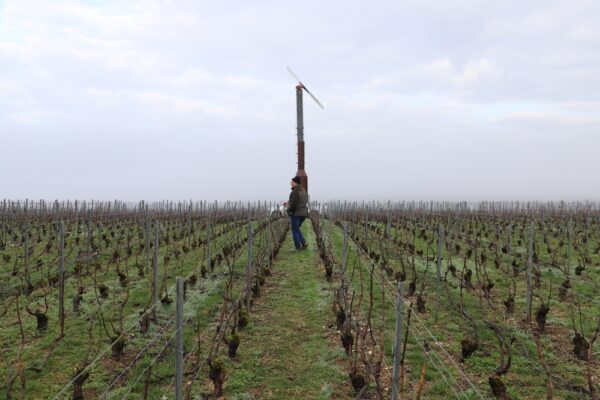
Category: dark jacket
<point>298,203</point>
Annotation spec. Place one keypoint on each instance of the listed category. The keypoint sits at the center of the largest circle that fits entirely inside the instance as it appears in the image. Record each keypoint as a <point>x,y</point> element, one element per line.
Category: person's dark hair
<point>297,179</point>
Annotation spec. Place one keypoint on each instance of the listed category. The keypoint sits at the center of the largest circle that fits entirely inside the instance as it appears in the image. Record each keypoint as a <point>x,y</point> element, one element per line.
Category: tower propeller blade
<point>293,74</point>
<point>314,98</point>
<point>305,88</point>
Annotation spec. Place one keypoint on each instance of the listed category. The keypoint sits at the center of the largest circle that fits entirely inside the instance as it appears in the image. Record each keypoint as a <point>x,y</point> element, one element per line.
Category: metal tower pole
<point>300,128</point>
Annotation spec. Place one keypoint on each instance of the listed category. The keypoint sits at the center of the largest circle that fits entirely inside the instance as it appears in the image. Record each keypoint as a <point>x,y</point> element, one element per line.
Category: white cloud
<point>410,89</point>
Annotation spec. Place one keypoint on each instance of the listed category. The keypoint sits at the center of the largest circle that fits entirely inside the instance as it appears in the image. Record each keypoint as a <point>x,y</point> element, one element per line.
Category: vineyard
<point>197,300</point>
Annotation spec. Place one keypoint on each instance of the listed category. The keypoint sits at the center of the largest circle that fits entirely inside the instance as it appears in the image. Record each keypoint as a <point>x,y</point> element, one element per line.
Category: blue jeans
<point>296,234</point>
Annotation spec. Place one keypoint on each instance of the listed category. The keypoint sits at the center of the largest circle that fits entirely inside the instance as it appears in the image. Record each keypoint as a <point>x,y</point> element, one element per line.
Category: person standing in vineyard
<point>297,209</point>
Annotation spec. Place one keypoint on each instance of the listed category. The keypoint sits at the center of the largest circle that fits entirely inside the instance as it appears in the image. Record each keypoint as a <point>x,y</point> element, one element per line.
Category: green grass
<point>286,352</point>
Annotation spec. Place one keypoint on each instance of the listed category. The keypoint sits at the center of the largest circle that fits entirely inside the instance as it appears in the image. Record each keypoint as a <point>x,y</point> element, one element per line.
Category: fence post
<point>570,243</point>
<point>388,231</point>
<point>155,270</point>
<point>269,237</point>
<point>147,242</point>
<point>189,221</point>
<point>438,272</point>
<point>248,271</point>
<point>344,249</point>
<point>388,225</point>
<point>509,247</point>
<point>529,261</point>
<point>89,242</point>
<point>61,278</point>
<point>26,246</point>
<point>397,345</point>
<point>250,243</point>
<point>208,242</point>
<point>179,342</point>
<point>344,262</point>
<point>76,219</point>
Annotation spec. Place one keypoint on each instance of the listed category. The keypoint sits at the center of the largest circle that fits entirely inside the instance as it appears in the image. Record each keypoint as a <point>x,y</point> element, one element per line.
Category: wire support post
<point>179,342</point>
<point>397,345</point>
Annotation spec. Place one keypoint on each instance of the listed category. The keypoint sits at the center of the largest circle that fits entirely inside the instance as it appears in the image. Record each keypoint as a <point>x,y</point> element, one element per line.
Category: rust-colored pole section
<point>301,172</point>
<point>300,128</point>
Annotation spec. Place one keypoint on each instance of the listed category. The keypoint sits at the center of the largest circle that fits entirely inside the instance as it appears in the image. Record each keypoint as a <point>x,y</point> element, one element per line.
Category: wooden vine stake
<point>421,381</point>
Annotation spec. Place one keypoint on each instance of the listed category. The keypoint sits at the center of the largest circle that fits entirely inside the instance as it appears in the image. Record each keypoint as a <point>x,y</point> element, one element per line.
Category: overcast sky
<point>452,100</point>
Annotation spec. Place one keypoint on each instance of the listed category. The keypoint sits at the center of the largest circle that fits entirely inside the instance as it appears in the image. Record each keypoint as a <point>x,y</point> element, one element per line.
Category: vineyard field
<point>197,300</point>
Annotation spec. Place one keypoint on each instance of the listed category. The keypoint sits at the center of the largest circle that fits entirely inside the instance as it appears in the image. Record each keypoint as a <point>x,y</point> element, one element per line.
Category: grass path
<point>289,351</point>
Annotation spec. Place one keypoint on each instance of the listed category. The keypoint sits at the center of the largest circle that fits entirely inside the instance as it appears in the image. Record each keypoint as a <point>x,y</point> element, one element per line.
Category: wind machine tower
<point>300,127</point>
